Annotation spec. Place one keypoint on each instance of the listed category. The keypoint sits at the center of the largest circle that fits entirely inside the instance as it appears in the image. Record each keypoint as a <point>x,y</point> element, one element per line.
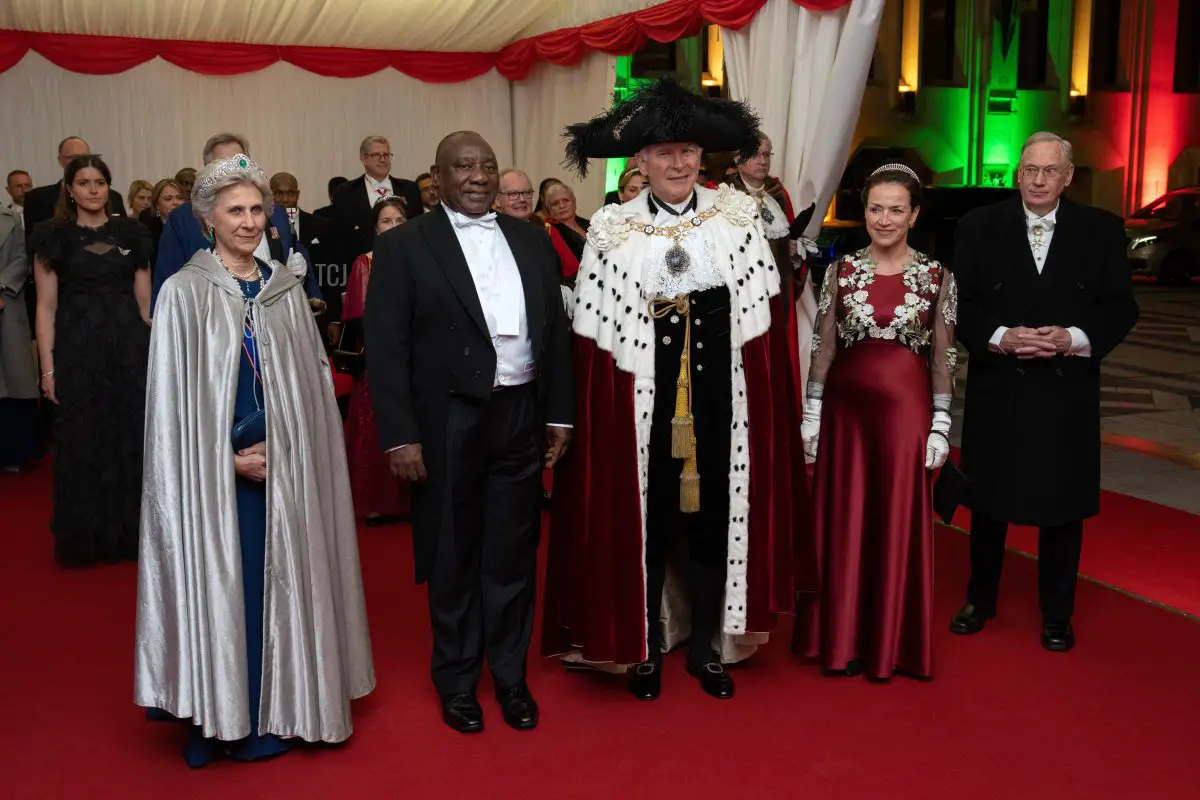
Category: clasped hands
<point>408,462</point>
<point>251,463</point>
<point>1029,343</point>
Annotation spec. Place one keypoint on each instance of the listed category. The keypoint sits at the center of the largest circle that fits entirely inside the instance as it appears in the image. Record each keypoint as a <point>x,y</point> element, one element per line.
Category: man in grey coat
<point>19,440</point>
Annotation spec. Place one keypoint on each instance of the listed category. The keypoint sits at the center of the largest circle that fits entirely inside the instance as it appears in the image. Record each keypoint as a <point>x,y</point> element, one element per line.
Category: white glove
<point>810,426</point>
<point>937,447</point>
<point>297,265</point>
<point>568,295</point>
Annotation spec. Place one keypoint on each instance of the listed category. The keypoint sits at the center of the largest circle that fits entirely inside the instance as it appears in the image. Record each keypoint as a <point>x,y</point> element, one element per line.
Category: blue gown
<point>252,529</point>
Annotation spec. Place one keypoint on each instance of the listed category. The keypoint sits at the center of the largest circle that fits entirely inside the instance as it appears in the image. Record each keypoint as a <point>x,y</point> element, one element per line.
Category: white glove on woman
<point>937,447</point>
<point>810,426</point>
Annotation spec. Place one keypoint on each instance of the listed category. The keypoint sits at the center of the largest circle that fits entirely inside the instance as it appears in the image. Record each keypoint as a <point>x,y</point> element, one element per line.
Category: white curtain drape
<point>545,103</point>
<point>809,103</point>
<point>153,120</point>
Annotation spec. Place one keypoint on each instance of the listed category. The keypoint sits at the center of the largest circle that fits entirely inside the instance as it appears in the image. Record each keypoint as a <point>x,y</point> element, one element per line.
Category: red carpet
<point>1140,547</point>
<point>1003,719</point>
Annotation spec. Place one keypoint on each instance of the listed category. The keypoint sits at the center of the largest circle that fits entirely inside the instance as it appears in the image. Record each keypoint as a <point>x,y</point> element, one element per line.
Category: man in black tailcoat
<point>353,200</point>
<point>1044,295</point>
<point>469,355</point>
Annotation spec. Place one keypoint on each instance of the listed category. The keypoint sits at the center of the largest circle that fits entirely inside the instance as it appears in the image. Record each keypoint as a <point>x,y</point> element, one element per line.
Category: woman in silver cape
<point>191,661</point>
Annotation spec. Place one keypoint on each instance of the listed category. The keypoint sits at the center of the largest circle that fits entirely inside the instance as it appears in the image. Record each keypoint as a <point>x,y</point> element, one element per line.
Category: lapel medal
<point>274,232</point>
<point>767,216</point>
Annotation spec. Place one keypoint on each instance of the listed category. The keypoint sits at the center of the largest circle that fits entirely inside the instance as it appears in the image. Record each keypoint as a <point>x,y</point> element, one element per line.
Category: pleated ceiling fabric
<point>435,42</point>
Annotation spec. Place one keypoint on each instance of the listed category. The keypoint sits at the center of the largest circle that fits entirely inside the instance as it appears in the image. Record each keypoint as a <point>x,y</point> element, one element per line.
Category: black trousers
<point>705,580</point>
<point>1058,566</point>
<point>706,531</point>
<point>484,578</point>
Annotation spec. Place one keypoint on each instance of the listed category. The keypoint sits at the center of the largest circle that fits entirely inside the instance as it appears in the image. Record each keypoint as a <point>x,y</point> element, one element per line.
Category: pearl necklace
<point>254,276</point>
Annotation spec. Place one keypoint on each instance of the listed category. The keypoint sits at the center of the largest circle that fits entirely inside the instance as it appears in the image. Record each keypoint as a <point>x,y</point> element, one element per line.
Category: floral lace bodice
<point>917,309</point>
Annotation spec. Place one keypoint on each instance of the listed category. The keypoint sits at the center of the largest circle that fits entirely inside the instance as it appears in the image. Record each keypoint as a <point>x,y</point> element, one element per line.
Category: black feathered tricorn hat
<point>658,112</point>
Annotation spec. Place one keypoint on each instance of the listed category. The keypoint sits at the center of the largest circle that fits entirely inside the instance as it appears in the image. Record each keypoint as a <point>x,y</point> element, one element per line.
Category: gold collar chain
<point>680,230</point>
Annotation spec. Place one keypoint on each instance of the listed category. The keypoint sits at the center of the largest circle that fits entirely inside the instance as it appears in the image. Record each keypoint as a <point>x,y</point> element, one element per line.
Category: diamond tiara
<point>233,165</point>
<point>896,168</point>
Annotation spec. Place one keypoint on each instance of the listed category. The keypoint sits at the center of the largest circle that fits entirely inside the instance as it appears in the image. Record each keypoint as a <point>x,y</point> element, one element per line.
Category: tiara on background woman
<point>896,168</point>
<point>233,165</point>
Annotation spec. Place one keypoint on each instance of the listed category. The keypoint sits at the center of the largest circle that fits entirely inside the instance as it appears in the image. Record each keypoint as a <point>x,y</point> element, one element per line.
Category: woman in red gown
<point>378,494</point>
<point>877,420</point>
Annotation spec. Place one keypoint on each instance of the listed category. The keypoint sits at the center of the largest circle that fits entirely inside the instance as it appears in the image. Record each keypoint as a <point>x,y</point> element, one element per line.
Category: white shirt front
<point>377,189</point>
<point>20,212</point>
<point>1039,231</point>
<point>501,295</point>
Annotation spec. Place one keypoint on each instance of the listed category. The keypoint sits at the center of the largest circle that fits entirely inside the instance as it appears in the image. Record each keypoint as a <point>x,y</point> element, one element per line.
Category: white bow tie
<point>1046,225</point>
<point>487,221</point>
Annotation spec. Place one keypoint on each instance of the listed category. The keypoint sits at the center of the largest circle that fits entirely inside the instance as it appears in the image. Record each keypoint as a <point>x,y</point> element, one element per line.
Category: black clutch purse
<point>349,355</point>
<point>951,490</point>
<point>250,430</point>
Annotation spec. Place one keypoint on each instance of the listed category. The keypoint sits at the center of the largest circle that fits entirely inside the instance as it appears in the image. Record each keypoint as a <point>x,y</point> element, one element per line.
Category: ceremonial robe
<point>596,581</point>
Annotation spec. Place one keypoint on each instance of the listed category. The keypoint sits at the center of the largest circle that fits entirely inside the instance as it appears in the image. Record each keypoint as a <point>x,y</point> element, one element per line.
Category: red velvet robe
<point>595,586</point>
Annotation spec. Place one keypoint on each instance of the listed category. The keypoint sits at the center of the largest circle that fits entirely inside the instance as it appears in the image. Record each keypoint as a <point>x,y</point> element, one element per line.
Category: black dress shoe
<point>645,682</point>
<point>520,709</point>
<point>1058,637</point>
<point>713,679</point>
<point>462,712</point>
<point>969,620</point>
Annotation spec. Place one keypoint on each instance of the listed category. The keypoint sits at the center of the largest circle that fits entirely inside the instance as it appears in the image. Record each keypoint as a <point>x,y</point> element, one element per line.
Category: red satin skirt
<point>873,516</point>
<point>376,491</point>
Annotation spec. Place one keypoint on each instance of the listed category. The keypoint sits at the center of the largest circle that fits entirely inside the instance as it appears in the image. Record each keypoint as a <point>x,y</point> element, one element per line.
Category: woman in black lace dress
<point>93,292</point>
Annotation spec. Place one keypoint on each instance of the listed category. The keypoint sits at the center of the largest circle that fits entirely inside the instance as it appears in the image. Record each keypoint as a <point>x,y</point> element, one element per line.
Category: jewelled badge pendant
<point>678,261</point>
<point>1038,231</point>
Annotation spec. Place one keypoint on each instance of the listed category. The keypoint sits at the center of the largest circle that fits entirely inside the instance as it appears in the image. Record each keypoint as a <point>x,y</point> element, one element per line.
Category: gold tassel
<point>689,486</point>
<point>683,428</point>
<point>683,435</point>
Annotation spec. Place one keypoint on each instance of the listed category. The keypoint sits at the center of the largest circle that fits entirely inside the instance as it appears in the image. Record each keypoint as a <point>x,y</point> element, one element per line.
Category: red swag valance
<point>621,35</point>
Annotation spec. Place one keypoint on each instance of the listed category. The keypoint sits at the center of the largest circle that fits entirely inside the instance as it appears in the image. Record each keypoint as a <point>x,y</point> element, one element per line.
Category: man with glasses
<point>753,176</point>
<point>354,199</point>
<point>1044,295</point>
<point>515,197</point>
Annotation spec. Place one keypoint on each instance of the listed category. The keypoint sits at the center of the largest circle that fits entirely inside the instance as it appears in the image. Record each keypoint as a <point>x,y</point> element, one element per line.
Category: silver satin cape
<point>191,654</point>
